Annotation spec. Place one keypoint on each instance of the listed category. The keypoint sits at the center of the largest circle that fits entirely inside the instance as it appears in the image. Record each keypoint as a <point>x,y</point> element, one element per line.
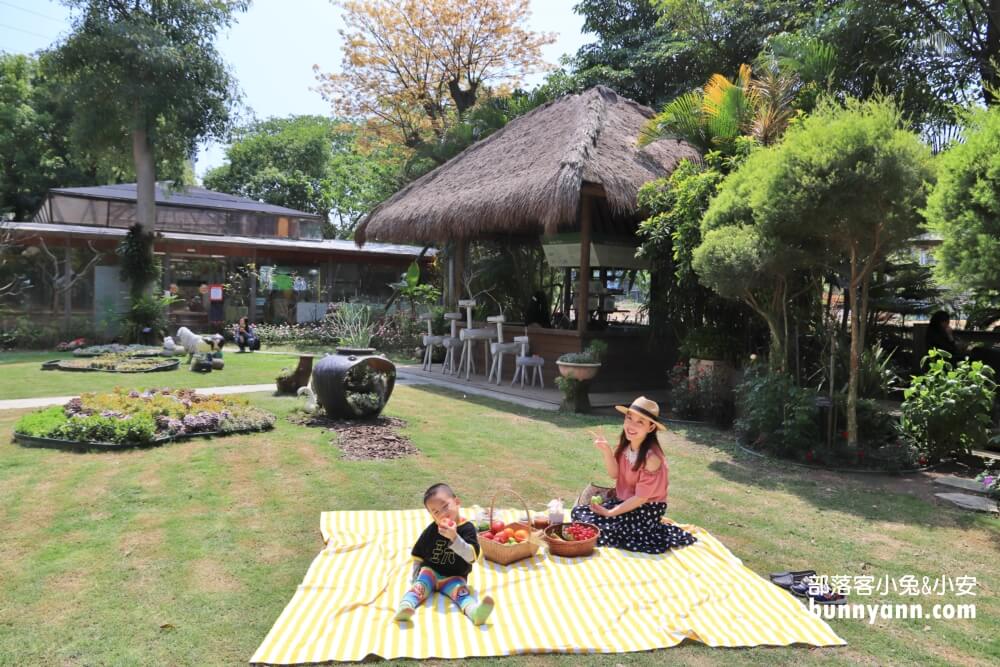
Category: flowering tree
<point>413,66</point>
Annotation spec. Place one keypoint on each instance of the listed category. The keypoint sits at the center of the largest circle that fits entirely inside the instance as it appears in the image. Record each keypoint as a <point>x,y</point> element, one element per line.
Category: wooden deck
<point>530,397</point>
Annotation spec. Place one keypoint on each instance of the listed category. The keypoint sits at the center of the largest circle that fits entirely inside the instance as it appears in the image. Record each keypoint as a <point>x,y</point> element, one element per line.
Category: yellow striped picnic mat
<point>612,602</point>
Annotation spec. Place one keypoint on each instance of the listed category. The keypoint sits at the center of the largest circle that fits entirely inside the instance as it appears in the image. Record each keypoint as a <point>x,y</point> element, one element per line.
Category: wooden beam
<point>68,294</point>
<point>583,291</point>
<point>252,309</point>
<point>460,249</point>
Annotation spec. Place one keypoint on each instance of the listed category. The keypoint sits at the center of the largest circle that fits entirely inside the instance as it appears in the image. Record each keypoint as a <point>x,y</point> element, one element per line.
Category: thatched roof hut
<point>528,177</point>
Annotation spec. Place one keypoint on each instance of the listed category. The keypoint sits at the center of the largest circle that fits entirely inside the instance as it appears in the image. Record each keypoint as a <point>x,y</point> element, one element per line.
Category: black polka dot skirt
<point>639,530</point>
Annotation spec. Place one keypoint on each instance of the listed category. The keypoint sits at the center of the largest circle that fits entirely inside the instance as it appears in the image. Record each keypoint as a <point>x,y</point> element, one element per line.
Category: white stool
<point>451,343</point>
<point>469,336</point>
<point>524,361</point>
<point>500,348</point>
<point>430,342</point>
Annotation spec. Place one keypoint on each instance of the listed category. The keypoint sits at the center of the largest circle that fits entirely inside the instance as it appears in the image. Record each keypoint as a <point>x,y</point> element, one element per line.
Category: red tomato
<point>488,535</point>
<point>496,526</point>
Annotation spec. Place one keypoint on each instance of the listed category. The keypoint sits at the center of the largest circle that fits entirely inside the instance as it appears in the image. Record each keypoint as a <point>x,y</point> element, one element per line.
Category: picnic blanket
<point>612,602</point>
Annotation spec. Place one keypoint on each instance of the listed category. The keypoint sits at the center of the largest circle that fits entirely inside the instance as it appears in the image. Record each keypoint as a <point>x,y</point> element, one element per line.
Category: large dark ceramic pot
<point>355,383</point>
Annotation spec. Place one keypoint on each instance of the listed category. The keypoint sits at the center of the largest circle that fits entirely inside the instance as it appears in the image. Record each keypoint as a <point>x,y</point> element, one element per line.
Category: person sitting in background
<point>537,311</point>
<point>245,334</point>
<point>940,335</point>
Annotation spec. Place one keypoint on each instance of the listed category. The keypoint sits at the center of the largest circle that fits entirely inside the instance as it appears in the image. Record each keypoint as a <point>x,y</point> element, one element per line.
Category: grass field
<point>22,376</point>
<point>186,554</point>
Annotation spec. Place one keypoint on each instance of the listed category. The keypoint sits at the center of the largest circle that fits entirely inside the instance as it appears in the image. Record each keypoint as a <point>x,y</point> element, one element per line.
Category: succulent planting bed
<point>123,418</point>
<point>115,358</point>
<point>121,362</point>
<point>118,348</point>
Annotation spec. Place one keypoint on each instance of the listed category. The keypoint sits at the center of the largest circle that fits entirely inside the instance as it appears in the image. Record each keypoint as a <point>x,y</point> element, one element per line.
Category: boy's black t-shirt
<point>435,550</point>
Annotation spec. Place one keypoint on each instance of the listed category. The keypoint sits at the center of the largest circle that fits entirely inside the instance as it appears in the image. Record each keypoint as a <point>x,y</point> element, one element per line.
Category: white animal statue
<point>311,406</point>
<point>195,344</point>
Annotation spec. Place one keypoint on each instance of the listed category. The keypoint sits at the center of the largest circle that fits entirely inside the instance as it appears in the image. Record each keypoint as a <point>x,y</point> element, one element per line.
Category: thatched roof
<point>527,177</point>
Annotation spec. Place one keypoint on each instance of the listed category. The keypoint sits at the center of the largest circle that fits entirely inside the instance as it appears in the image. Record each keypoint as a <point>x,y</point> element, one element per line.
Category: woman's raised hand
<point>600,441</point>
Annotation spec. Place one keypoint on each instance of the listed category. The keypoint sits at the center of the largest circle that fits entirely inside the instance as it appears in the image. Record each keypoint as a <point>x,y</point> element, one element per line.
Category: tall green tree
<point>966,37</point>
<point>36,152</point>
<point>146,76</point>
<point>309,163</point>
<point>964,208</point>
<point>767,262</point>
<point>844,187</point>
<point>634,53</point>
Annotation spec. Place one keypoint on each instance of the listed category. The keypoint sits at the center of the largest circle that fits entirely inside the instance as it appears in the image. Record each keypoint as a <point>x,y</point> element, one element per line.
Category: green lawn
<point>23,377</point>
<point>186,554</point>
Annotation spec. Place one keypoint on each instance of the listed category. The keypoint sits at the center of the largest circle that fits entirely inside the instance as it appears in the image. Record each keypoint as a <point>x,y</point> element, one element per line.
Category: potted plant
<point>582,365</point>
<point>577,369</point>
<point>355,383</point>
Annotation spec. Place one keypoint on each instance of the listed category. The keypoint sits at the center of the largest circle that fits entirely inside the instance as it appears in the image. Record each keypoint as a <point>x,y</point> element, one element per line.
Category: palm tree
<point>761,106</point>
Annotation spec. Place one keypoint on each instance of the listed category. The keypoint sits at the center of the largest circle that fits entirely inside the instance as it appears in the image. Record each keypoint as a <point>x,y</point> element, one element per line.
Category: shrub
<point>683,396</point>
<point>776,415</point>
<point>398,332</point>
<point>714,395</point>
<point>947,409</point>
<point>709,343</point>
<point>40,424</point>
<point>990,479</point>
<point>707,396</point>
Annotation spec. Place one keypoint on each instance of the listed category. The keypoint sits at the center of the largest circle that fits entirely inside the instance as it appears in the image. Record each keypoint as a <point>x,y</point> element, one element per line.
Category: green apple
<point>596,500</point>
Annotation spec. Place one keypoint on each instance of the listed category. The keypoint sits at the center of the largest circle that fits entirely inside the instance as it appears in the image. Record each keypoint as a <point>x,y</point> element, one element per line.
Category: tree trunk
<point>145,171</point>
<point>145,190</point>
<point>463,99</point>
<point>989,72</point>
<point>852,387</point>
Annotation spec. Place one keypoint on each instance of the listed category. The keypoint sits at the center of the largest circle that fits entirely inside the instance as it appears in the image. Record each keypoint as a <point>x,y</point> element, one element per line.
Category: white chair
<point>430,342</point>
<point>525,361</point>
<point>451,343</point>
<point>499,348</point>
<point>469,336</point>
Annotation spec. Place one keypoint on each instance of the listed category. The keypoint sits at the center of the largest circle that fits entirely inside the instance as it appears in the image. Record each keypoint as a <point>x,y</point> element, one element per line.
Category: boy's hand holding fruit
<point>447,529</point>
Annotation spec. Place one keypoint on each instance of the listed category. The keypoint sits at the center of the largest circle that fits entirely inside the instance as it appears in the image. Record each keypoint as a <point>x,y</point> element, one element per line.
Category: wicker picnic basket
<point>558,547</point>
<point>605,492</point>
<point>505,554</point>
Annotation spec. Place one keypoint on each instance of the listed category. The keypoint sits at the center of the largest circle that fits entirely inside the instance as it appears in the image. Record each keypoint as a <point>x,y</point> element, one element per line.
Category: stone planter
<point>355,383</point>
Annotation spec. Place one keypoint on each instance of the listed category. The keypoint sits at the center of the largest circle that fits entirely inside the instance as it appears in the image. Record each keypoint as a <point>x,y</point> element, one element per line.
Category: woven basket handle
<point>493,500</point>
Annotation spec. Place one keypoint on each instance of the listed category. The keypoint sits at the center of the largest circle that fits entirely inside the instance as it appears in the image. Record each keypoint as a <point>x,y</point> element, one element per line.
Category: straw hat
<point>646,408</point>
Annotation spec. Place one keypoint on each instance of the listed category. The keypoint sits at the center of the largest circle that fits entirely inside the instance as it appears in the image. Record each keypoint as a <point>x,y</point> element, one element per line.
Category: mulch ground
<point>366,440</point>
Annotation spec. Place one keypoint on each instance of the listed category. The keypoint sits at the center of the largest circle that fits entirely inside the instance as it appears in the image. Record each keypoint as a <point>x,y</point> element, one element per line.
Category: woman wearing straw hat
<point>632,520</point>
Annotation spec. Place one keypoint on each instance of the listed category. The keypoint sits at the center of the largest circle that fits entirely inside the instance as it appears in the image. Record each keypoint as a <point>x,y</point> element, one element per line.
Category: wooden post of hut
<point>583,291</point>
<point>459,272</point>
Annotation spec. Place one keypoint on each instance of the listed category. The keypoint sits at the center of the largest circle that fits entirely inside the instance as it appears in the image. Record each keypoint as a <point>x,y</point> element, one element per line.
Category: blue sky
<point>272,49</point>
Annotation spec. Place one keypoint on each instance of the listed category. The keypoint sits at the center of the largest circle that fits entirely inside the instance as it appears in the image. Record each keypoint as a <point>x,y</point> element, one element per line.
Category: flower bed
<point>114,363</point>
<point>132,419</point>
<point>118,348</point>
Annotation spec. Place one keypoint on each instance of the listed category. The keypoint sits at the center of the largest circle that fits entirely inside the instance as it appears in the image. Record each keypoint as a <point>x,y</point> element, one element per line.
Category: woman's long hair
<point>648,442</point>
